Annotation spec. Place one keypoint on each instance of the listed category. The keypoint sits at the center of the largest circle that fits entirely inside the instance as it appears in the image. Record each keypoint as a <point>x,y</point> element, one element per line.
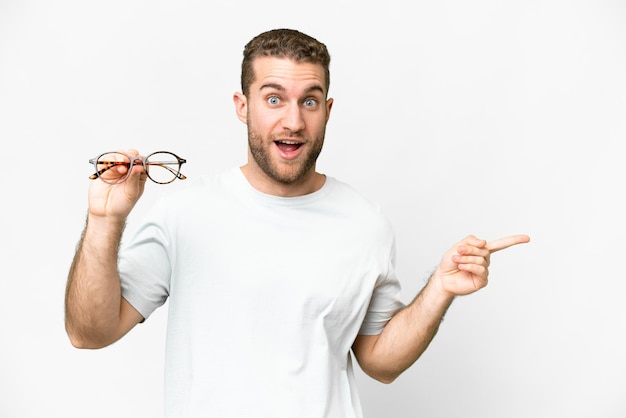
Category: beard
<point>285,172</point>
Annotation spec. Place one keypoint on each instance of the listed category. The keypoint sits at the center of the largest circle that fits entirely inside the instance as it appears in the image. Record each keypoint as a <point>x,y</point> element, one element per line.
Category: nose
<point>292,119</point>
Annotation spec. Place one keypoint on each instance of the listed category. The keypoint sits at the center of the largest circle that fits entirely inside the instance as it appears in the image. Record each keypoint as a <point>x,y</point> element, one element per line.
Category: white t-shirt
<point>266,295</point>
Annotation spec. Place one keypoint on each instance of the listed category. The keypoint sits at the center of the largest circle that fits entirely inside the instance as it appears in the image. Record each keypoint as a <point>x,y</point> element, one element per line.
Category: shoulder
<point>344,193</point>
<point>357,207</point>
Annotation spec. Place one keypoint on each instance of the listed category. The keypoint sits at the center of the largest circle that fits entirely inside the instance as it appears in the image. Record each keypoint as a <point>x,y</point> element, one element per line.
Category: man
<point>275,273</point>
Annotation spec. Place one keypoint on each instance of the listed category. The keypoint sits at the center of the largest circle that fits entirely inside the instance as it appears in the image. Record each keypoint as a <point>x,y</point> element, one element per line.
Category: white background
<point>484,117</point>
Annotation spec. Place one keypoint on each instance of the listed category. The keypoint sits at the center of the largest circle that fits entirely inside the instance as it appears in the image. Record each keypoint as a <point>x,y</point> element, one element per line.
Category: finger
<point>502,243</point>
<point>481,261</point>
<point>474,241</point>
<point>480,273</point>
<point>479,250</point>
<point>138,167</point>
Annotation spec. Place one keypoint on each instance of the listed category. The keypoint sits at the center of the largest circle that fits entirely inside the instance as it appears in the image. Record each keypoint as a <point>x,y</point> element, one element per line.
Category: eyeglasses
<point>162,167</point>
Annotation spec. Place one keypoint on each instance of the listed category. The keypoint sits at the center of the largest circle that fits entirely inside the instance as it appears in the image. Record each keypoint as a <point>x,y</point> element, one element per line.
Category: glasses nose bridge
<point>138,160</point>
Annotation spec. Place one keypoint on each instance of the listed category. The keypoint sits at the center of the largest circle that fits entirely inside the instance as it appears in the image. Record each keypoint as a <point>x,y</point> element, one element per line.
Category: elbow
<point>85,345</point>
<point>83,342</point>
<point>77,343</point>
<point>386,377</point>
<point>383,379</point>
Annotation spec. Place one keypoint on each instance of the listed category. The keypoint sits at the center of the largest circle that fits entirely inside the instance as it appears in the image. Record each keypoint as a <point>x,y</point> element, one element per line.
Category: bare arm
<point>96,315</point>
<point>463,270</point>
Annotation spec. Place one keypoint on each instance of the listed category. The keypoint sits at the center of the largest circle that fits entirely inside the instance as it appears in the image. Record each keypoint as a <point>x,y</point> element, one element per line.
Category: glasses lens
<point>113,167</point>
<point>162,167</point>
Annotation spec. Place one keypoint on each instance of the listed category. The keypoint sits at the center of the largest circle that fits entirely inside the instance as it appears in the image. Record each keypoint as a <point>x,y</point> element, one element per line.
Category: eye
<point>273,100</point>
<point>310,103</point>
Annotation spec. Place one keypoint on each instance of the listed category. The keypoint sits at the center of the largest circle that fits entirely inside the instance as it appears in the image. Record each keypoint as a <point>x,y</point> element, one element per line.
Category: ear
<point>329,105</point>
<point>241,106</point>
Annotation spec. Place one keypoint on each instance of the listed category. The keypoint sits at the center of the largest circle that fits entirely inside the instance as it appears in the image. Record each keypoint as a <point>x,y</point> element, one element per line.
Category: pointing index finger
<point>502,243</point>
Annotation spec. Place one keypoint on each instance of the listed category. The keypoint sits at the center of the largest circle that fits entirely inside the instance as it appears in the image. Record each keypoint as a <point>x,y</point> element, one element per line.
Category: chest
<point>280,265</point>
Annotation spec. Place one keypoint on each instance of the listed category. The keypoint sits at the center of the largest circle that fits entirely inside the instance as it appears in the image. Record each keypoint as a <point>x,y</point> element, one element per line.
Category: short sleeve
<point>385,301</point>
<point>144,265</point>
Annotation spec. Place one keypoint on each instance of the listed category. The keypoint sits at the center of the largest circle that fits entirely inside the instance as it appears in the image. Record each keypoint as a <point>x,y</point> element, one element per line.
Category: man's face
<point>286,112</point>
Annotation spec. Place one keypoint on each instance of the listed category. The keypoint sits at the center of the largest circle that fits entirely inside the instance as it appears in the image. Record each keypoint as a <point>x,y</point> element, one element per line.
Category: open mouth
<point>288,146</point>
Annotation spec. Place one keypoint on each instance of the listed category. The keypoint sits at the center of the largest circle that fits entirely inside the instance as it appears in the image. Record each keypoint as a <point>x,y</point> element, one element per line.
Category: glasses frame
<point>137,160</point>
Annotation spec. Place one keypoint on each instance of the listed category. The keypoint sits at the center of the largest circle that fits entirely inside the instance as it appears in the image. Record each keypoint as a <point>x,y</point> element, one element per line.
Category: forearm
<point>407,335</point>
<point>93,294</point>
<point>463,270</point>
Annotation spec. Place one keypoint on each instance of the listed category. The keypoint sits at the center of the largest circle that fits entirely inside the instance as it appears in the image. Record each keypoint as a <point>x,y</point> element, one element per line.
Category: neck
<point>312,182</point>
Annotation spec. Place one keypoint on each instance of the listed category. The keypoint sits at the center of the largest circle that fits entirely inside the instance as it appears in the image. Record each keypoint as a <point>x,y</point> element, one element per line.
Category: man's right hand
<point>96,314</point>
<point>115,201</point>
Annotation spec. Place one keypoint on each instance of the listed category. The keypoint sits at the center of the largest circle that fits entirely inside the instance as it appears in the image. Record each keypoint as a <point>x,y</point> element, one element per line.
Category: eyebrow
<point>315,87</point>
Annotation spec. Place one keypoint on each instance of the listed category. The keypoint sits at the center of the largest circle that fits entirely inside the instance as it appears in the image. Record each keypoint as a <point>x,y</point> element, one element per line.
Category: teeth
<point>289,142</point>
